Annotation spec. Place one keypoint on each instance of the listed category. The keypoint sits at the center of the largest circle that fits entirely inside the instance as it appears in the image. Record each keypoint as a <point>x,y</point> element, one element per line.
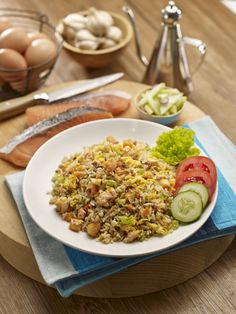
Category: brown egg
<point>33,36</point>
<point>11,60</point>
<point>14,38</point>
<point>19,86</point>
<point>4,24</point>
<point>40,51</point>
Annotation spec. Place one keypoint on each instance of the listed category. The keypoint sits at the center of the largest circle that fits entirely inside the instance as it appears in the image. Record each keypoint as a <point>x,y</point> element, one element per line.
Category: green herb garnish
<point>175,145</point>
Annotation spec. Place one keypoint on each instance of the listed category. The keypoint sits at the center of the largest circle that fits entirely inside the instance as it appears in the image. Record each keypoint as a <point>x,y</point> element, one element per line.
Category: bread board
<point>154,275</point>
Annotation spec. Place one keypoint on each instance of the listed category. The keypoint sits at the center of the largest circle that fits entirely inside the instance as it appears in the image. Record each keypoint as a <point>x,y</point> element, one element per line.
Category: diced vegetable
<point>130,220</point>
<point>162,100</point>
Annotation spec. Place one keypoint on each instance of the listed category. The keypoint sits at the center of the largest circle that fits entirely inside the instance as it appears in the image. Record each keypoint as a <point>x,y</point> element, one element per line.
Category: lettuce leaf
<point>175,145</point>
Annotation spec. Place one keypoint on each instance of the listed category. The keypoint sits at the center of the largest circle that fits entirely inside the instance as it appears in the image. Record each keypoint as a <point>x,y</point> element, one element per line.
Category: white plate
<point>37,182</point>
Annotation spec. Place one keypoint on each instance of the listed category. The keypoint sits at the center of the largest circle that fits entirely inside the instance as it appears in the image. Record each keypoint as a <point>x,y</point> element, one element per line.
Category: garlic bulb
<point>75,20</point>
<point>98,21</point>
<point>84,34</point>
<point>69,33</point>
<point>71,24</point>
<point>108,43</point>
<point>87,44</point>
<point>114,33</point>
<point>103,16</point>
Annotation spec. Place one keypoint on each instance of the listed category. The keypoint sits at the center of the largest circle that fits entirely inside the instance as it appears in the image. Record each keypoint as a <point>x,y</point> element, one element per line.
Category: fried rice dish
<point>115,191</point>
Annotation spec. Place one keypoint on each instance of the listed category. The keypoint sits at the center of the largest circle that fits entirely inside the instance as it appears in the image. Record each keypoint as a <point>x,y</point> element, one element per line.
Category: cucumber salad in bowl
<point>160,104</point>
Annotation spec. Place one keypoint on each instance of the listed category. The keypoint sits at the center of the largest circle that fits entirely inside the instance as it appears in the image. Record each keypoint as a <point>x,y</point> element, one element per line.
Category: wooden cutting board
<point>156,274</point>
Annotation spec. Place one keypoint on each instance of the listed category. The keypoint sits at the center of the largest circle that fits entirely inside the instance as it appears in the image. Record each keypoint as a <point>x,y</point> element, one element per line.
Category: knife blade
<point>16,106</point>
<point>78,89</point>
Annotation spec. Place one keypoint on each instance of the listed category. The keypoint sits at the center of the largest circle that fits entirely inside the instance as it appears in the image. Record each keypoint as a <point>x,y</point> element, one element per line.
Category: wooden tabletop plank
<point>215,93</point>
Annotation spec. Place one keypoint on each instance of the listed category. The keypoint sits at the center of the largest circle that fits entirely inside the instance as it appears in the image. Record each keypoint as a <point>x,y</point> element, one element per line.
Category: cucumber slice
<point>199,188</point>
<point>186,206</point>
<point>148,109</point>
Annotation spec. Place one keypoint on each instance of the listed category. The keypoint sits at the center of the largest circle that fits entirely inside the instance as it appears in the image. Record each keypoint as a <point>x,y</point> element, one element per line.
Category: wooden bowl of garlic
<point>95,38</point>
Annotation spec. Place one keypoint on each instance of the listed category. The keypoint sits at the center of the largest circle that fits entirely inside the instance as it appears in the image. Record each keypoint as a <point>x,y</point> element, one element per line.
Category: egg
<point>4,24</point>
<point>18,86</point>
<point>40,51</point>
<point>12,60</point>
<point>33,36</point>
<point>14,38</point>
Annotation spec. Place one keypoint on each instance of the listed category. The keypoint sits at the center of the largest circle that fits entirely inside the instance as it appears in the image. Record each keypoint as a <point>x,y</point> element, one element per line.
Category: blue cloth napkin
<point>68,269</point>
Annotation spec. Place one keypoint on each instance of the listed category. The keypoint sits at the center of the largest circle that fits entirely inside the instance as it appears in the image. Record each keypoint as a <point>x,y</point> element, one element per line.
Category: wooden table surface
<point>212,291</point>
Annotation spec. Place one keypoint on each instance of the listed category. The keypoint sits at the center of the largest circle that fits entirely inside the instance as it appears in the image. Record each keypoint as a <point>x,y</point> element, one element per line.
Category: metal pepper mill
<point>168,61</point>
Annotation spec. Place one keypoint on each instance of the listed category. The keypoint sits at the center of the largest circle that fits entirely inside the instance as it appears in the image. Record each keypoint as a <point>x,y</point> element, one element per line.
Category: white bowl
<point>161,119</point>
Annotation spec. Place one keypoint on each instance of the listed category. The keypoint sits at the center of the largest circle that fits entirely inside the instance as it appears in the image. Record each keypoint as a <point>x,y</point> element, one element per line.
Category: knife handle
<point>13,107</point>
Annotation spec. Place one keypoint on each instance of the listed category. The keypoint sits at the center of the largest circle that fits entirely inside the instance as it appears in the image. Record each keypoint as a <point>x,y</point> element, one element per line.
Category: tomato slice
<point>196,175</point>
<point>198,163</point>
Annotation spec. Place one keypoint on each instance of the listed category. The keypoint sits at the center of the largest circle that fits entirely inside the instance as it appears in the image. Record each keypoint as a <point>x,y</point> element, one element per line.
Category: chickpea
<point>93,229</point>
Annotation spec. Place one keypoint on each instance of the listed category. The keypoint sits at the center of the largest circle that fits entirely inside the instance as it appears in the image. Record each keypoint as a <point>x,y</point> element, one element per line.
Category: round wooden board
<point>154,275</point>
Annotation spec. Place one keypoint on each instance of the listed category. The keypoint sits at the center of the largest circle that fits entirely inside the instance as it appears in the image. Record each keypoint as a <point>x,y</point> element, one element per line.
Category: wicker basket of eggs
<point>29,47</point>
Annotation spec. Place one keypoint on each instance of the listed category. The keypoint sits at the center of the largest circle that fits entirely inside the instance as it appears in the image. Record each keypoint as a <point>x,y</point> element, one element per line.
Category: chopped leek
<point>162,100</point>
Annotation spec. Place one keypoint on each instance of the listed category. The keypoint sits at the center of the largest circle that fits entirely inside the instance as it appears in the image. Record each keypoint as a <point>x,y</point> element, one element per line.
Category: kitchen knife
<point>16,106</point>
